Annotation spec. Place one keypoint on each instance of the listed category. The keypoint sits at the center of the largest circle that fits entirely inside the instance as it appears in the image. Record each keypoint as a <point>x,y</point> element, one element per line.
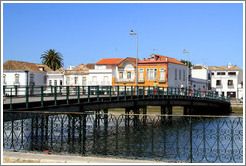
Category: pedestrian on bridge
<point>155,87</point>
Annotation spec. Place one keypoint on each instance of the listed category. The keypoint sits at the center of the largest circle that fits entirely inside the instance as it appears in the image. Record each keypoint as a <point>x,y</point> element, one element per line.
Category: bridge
<point>101,98</point>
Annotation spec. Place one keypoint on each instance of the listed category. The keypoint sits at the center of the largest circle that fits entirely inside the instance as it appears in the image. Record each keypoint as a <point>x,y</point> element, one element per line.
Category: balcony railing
<point>161,80</point>
<point>125,80</point>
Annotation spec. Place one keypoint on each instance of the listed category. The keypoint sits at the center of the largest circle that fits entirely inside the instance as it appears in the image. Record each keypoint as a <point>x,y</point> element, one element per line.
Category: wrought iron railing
<point>14,92</point>
<point>206,139</point>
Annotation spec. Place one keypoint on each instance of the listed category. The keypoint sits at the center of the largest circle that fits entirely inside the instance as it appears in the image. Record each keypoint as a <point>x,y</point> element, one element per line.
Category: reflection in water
<point>175,138</point>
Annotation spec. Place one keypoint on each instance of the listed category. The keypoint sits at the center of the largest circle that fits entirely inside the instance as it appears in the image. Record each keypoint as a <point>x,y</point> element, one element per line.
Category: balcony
<point>230,86</point>
<point>125,80</point>
<point>219,86</point>
<point>162,80</point>
<point>141,81</point>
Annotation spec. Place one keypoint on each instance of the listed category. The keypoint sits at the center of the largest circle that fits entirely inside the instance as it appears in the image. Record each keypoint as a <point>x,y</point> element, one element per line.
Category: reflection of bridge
<point>95,98</point>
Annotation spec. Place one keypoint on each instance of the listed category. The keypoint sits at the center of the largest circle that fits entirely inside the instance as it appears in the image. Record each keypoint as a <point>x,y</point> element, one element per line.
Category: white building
<point>227,81</point>
<point>17,73</point>
<point>200,78</point>
<point>75,76</point>
<point>104,71</point>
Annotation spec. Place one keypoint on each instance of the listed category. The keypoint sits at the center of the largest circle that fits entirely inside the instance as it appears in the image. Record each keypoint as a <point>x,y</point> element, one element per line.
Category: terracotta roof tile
<point>80,67</point>
<point>109,61</point>
<point>90,66</point>
<point>224,68</point>
<point>24,66</point>
<point>132,60</point>
<point>60,69</point>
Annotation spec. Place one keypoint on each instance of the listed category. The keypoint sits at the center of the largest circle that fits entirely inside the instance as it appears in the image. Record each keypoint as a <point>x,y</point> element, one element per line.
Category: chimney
<point>144,59</point>
<point>166,59</point>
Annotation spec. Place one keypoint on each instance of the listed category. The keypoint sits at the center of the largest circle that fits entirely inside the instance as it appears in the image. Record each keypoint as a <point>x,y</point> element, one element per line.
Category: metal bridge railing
<point>195,139</point>
<point>54,92</point>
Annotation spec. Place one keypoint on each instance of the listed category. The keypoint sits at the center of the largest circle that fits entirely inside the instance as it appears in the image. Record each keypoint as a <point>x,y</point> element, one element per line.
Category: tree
<point>52,59</point>
<point>185,62</point>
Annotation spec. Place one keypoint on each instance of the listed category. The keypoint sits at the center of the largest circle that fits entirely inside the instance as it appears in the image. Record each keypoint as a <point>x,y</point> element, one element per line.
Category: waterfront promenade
<point>24,157</point>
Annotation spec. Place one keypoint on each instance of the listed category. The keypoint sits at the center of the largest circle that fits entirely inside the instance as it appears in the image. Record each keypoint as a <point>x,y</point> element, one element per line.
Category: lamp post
<point>132,33</point>
<point>185,51</point>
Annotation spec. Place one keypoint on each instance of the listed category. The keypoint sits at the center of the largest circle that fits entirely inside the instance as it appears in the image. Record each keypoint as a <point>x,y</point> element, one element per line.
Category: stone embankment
<point>25,157</point>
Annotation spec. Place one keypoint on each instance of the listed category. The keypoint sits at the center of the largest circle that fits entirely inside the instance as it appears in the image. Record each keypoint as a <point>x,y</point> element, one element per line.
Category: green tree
<point>52,59</point>
<point>185,62</point>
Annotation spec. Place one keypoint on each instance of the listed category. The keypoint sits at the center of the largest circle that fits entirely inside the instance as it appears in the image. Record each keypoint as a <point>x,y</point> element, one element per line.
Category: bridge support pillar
<point>82,134</point>
<point>136,116</point>
<point>127,117</point>
<point>169,110</point>
<point>105,134</point>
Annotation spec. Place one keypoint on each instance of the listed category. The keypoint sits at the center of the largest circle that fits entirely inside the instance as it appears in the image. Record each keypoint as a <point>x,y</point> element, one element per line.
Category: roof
<point>90,66</point>
<point>109,61</point>
<point>24,66</point>
<point>160,59</point>
<point>224,68</point>
<point>132,60</point>
<point>61,69</point>
<point>198,67</point>
<point>80,67</point>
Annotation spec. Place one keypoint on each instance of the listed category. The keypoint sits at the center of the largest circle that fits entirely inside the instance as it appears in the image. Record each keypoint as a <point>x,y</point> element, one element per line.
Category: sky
<point>87,32</point>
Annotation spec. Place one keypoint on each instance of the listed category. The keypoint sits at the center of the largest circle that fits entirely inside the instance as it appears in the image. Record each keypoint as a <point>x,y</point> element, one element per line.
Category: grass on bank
<point>176,110</point>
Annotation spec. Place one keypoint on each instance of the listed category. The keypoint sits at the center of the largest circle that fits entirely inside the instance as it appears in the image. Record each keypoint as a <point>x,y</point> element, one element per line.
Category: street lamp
<point>132,33</point>
<point>185,51</point>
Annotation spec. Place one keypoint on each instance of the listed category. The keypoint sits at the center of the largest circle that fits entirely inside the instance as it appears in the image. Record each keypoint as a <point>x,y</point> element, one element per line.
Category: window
<point>105,79</point>
<point>128,75</point>
<point>121,75</point>
<point>151,74</point>
<point>45,79</point>
<point>17,78</point>
<point>176,75</point>
<point>55,82</point>
<point>162,74</point>
<point>212,73</point>
<point>50,82</point>
<point>94,79</point>
<point>60,82</point>
<point>231,73</point>
<point>203,86</point>
<point>220,73</point>
<point>179,74</point>
<point>84,81</point>
<point>183,75</point>
<point>140,77</point>
<point>68,80</point>
<point>223,93</point>
<point>230,83</point>
<point>75,80</point>
<point>31,79</point>
<point>194,85</point>
<point>218,82</point>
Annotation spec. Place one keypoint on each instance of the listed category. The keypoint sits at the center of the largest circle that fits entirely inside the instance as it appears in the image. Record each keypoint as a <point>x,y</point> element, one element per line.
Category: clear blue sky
<point>85,33</point>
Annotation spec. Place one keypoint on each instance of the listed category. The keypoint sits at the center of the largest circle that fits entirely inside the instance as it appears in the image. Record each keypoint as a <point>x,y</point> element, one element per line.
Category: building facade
<point>227,81</point>
<point>200,78</point>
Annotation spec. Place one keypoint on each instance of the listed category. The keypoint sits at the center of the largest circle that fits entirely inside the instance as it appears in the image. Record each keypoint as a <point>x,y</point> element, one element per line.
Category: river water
<point>150,137</point>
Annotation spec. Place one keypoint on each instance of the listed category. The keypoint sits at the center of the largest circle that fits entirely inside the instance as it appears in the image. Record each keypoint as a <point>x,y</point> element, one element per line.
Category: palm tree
<point>52,59</point>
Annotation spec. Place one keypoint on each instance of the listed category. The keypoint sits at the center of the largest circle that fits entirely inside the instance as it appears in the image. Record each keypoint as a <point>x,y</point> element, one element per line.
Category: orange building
<point>165,71</point>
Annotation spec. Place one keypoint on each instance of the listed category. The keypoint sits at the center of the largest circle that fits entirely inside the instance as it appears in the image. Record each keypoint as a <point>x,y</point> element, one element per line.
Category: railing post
<point>60,90</point>
<point>89,92</point>
<point>83,90</point>
<point>98,93</point>
<point>148,91</point>
<point>125,93</point>
<point>67,94</point>
<point>42,96</point>
<point>15,90</point>
<point>27,95</point>
<point>185,91</point>
<point>4,89</point>
<point>55,88</point>
<point>118,92</point>
<point>11,99</point>
<point>51,90</point>
<point>190,139</point>
<point>137,91</point>
<point>143,92</point>
<point>78,94</point>
<point>110,95</point>
<point>131,92</point>
<point>167,91</point>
